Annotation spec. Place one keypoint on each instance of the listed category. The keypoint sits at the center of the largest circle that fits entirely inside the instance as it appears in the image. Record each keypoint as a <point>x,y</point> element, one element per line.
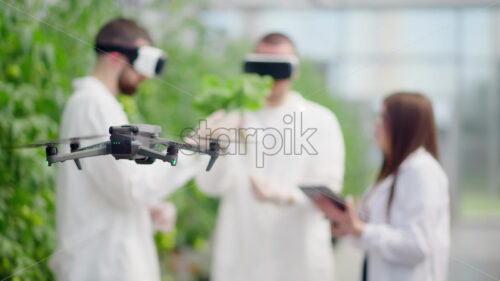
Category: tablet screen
<point>316,191</point>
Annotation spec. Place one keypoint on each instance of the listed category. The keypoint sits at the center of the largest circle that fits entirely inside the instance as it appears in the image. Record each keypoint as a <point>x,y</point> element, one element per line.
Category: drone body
<point>140,143</point>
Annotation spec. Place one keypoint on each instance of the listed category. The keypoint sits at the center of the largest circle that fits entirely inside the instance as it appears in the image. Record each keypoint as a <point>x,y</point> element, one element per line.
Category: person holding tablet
<point>403,221</point>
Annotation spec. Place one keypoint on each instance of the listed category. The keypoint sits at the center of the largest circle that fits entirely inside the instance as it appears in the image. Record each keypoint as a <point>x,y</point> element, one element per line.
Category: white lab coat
<point>263,241</point>
<point>104,229</point>
<point>414,244</point>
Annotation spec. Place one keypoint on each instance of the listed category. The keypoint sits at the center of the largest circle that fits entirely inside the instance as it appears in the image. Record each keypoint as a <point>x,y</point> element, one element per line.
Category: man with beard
<point>106,212</point>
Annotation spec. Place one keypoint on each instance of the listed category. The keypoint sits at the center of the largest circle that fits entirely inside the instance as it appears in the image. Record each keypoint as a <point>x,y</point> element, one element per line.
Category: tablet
<point>314,192</point>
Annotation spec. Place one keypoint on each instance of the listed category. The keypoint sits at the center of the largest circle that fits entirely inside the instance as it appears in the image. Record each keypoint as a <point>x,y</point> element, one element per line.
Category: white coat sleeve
<point>407,241</point>
<point>219,179</point>
<point>327,166</point>
<point>126,183</point>
<point>222,176</point>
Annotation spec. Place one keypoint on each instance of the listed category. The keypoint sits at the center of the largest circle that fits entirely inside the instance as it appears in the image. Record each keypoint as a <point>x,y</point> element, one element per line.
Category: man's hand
<point>163,216</point>
<point>266,192</point>
<point>220,125</point>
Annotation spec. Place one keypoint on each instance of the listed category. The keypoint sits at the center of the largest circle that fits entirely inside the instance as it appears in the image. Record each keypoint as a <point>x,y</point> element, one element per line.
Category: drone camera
<point>145,161</point>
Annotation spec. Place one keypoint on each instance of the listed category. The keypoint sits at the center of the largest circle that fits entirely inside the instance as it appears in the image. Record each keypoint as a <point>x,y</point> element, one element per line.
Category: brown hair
<point>121,32</point>
<point>276,38</point>
<point>409,123</point>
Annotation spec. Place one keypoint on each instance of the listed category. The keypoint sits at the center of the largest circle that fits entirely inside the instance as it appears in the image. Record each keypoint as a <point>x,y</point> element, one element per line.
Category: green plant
<point>243,92</point>
<point>39,61</point>
<point>37,65</point>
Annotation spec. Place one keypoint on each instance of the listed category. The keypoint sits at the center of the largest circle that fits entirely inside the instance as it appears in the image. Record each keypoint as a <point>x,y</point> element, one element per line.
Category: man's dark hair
<point>121,32</point>
<point>276,38</point>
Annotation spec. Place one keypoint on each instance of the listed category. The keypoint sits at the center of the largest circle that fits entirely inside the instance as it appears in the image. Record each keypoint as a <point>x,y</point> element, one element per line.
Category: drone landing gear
<point>214,153</point>
<point>74,146</point>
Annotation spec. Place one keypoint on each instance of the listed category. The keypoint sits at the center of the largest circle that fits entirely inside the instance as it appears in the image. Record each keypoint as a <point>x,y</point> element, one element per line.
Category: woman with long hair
<point>403,219</point>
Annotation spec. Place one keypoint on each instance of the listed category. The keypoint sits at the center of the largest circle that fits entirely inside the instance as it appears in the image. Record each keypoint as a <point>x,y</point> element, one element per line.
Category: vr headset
<point>146,60</point>
<point>277,66</point>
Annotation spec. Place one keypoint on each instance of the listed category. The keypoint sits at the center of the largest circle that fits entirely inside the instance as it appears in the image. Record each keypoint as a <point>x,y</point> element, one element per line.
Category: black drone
<point>140,143</point>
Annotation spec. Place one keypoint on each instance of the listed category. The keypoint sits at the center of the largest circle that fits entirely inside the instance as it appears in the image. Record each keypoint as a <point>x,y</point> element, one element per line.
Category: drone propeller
<point>71,141</point>
<point>226,140</point>
<point>220,138</point>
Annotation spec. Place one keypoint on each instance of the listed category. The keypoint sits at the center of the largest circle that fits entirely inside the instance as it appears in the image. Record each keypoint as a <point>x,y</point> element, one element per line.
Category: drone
<point>140,143</point>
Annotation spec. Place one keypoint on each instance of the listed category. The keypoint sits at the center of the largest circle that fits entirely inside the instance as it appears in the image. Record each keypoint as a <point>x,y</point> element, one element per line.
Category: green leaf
<point>243,92</point>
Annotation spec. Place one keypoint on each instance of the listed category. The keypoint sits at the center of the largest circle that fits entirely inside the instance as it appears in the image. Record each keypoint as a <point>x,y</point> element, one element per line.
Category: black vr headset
<point>146,60</point>
<point>277,66</point>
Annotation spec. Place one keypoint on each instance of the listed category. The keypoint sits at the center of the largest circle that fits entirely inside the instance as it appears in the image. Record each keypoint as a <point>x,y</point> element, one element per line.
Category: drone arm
<point>173,147</point>
<point>213,152</point>
<point>82,153</point>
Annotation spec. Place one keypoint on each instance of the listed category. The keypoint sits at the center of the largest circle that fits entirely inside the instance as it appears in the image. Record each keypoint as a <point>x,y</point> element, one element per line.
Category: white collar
<point>415,154</point>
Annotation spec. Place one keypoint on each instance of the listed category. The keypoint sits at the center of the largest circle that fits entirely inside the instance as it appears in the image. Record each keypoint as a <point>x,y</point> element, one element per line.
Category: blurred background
<point>353,53</point>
